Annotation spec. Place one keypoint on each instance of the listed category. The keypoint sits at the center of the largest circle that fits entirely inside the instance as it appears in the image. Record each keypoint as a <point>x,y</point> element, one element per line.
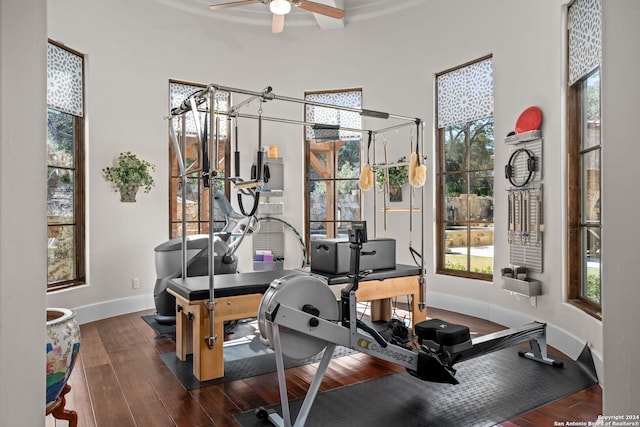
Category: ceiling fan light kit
<point>280,7</point>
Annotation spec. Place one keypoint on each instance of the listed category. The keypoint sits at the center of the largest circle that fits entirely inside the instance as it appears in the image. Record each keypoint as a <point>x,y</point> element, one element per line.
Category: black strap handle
<point>256,198</point>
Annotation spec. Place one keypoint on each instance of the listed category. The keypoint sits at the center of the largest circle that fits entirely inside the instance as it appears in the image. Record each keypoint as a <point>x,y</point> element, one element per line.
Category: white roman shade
<point>465,94</point>
<point>330,116</point>
<point>64,80</point>
<point>585,42</point>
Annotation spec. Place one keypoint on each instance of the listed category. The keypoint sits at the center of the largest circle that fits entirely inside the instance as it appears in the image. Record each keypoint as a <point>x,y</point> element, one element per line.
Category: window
<point>332,165</point>
<point>465,171</point>
<point>584,153</point>
<point>65,167</point>
<point>197,195</point>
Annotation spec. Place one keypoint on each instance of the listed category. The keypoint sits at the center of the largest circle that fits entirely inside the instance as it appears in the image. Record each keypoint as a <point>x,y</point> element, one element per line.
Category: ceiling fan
<point>279,8</point>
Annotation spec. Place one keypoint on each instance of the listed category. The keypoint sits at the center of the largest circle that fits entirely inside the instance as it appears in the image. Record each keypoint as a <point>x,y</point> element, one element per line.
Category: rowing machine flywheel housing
<point>296,291</point>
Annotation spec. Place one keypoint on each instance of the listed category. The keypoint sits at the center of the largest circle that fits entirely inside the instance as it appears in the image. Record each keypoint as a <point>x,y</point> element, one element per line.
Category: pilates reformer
<point>209,138</point>
<point>238,296</point>
<point>298,317</point>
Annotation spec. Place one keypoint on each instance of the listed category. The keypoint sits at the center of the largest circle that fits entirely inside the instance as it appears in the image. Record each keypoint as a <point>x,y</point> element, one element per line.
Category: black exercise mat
<point>160,329</point>
<point>493,388</point>
<point>241,361</point>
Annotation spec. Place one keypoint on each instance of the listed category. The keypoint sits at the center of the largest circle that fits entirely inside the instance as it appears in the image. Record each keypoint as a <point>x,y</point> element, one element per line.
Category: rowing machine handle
<point>357,236</point>
<point>375,334</point>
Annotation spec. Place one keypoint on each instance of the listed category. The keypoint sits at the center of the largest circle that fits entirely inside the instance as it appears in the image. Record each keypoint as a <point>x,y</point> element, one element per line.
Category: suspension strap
<point>259,166</point>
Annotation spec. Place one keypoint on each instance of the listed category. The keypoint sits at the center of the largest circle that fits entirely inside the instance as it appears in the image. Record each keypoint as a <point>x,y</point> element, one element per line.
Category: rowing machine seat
<point>443,333</point>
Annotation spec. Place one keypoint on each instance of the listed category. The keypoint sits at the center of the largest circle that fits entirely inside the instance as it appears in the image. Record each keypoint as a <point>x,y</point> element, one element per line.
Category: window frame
<point>79,180</point>
<point>334,179</point>
<point>575,193</point>
<point>441,173</point>
<point>441,221</point>
<point>174,180</point>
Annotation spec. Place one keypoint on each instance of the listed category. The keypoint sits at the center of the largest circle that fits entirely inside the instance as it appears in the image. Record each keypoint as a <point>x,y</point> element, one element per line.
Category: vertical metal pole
<point>217,143</point>
<point>411,188</point>
<point>213,165</point>
<point>375,192</point>
<point>423,288</point>
<point>183,193</point>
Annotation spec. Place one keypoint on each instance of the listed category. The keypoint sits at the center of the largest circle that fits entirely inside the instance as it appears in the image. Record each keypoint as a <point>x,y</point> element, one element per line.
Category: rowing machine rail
<point>296,325</point>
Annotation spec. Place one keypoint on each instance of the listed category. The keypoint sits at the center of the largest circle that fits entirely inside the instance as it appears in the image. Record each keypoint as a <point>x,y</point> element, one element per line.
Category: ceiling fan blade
<point>232,4</point>
<point>322,9</point>
<point>277,24</point>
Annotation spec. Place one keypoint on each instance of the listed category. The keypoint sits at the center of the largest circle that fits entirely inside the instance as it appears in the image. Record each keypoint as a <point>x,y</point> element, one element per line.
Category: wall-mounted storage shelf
<point>523,137</point>
<point>270,237</point>
<point>527,287</point>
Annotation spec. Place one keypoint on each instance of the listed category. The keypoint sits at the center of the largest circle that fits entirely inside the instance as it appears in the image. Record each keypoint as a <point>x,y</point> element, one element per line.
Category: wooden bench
<point>237,296</point>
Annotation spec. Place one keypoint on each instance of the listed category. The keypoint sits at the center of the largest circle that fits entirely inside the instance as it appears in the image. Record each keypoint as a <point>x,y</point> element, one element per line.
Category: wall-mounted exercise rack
<point>525,200</point>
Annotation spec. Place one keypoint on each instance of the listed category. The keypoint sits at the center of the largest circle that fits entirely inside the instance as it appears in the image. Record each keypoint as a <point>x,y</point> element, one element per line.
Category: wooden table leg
<point>381,309</point>
<point>182,332</point>
<point>208,363</point>
<point>371,290</point>
<point>58,409</point>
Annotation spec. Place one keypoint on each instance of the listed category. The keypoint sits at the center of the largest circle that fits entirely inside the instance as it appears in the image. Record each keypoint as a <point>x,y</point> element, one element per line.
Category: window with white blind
<point>465,171</point>
<point>65,167</point>
<point>332,165</point>
<point>584,154</point>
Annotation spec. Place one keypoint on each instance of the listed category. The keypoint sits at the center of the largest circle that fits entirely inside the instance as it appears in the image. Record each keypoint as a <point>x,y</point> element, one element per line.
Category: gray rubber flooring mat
<point>160,329</point>
<point>493,388</point>
<point>240,361</point>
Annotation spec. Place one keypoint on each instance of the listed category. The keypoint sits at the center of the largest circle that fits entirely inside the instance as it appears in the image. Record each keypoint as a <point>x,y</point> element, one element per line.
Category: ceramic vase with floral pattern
<point>63,343</point>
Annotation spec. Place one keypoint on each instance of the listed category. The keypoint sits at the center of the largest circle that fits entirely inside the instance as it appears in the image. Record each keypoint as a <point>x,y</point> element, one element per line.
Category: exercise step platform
<point>448,335</point>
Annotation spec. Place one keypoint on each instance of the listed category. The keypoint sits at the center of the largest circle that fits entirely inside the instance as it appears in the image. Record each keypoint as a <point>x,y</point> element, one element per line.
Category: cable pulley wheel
<point>296,291</point>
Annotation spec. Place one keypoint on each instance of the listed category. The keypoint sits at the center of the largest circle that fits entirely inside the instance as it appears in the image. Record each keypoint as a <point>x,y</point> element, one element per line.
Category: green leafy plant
<point>129,170</point>
<point>398,175</point>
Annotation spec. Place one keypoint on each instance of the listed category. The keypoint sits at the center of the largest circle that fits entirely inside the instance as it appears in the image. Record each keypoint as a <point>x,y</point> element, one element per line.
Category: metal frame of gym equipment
<point>288,329</point>
<point>204,101</point>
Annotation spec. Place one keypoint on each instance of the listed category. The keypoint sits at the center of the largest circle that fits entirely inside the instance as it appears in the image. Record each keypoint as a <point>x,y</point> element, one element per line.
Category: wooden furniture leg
<point>182,331</point>
<point>371,290</point>
<point>211,361</point>
<point>58,409</point>
<point>192,326</point>
<point>381,309</point>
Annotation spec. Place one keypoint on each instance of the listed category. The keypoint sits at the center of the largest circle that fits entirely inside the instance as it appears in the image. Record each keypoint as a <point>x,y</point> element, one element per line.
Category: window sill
<point>466,275</point>
<point>590,309</point>
<point>64,286</point>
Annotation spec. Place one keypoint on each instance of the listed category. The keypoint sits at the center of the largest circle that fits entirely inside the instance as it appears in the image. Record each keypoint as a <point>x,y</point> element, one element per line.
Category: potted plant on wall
<point>128,175</point>
<point>398,176</point>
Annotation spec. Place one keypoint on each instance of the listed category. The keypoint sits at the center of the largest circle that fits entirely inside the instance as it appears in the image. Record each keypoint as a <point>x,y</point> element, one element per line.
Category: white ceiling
<point>259,14</point>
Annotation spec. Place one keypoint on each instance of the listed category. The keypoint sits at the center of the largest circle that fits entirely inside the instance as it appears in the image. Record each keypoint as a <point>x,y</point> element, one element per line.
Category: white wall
<point>620,293</point>
<point>131,57</point>
<point>528,58</point>
<point>23,276</point>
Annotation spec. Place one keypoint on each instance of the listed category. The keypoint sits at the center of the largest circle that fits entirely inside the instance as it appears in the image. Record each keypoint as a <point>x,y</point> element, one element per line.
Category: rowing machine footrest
<point>430,368</point>
<point>443,333</point>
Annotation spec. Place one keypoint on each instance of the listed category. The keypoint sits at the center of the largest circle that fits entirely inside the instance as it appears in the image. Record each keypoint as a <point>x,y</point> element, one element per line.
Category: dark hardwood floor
<point>119,380</point>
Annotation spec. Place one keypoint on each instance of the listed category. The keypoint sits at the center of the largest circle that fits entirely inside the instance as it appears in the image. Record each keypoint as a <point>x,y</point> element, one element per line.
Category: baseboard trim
<point>106,309</point>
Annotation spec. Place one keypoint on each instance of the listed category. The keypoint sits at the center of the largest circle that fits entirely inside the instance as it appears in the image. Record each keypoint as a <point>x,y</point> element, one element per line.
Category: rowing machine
<point>298,317</point>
